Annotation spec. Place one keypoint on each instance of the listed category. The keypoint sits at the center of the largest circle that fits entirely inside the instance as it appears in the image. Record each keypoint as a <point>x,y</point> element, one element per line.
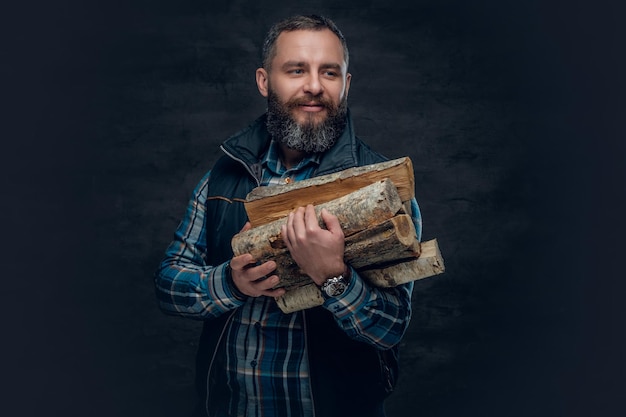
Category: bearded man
<point>338,359</point>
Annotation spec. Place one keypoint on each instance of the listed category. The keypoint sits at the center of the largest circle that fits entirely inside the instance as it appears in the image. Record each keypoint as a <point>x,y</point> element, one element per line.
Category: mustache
<point>310,100</point>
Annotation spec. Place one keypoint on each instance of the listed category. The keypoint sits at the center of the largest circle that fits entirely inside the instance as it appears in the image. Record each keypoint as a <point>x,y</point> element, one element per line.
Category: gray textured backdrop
<point>511,113</point>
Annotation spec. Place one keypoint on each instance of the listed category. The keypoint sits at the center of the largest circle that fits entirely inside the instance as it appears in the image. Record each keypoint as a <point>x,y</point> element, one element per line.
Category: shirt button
<point>253,363</point>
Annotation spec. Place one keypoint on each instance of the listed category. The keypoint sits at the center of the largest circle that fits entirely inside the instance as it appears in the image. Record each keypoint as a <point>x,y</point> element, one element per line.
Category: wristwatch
<point>335,286</point>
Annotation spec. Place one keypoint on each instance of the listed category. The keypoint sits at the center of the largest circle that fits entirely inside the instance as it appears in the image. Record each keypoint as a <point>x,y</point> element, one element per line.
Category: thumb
<point>246,227</point>
<point>331,221</point>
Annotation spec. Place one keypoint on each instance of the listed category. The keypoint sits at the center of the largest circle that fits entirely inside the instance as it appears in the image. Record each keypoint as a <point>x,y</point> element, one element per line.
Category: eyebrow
<point>334,66</point>
<point>290,64</point>
<point>301,64</point>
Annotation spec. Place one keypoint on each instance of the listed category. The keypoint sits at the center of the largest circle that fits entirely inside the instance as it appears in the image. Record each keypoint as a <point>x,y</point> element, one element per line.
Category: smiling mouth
<point>312,106</point>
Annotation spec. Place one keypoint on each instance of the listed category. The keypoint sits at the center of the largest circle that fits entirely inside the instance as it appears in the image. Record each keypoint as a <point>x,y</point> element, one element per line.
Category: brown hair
<point>311,22</point>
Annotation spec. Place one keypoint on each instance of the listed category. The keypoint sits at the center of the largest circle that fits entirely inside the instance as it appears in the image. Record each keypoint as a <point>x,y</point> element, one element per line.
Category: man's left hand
<point>317,251</point>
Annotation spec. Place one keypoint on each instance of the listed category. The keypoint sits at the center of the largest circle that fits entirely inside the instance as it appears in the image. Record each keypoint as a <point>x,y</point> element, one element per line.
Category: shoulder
<point>365,154</point>
<point>224,165</point>
<point>223,168</point>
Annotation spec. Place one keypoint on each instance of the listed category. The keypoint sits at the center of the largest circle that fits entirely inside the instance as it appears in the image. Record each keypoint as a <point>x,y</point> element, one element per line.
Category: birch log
<point>356,211</point>
<point>392,240</point>
<point>389,241</point>
<point>372,204</point>
<point>267,204</point>
<point>429,263</point>
<point>302,298</point>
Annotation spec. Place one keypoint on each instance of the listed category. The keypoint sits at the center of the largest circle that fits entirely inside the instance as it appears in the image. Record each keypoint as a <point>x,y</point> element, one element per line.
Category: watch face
<point>334,287</point>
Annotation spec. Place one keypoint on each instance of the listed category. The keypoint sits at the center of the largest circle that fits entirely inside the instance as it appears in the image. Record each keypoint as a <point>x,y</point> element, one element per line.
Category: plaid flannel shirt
<point>267,366</point>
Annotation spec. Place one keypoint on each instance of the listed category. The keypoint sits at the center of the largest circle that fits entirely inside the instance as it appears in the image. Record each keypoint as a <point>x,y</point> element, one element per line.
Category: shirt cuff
<point>355,296</point>
<point>223,290</point>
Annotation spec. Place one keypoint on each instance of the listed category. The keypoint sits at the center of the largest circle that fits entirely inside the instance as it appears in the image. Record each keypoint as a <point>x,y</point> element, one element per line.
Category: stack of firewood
<point>373,206</point>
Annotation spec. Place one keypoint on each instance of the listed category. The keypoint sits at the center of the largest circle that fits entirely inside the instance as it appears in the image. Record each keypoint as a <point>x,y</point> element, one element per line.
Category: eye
<point>296,71</point>
<point>331,72</point>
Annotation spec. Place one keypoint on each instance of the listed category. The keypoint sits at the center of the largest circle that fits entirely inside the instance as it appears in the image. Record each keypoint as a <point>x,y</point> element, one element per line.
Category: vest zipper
<point>253,170</point>
<point>306,349</point>
<point>217,346</point>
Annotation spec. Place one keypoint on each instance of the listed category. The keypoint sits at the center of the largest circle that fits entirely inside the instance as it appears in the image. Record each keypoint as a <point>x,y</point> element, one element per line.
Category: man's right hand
<point>254,280</point>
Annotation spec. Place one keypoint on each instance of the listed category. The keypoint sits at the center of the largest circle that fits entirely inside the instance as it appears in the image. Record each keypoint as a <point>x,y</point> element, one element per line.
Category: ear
<point>262,81</point>
<point>348,78</point>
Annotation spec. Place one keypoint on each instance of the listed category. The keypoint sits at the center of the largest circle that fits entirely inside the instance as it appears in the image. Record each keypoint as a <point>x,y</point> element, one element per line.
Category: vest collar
<point>250,144</point>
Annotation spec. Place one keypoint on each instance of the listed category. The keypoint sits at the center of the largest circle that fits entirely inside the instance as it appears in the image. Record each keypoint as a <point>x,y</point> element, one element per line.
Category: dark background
<point>512,113</point>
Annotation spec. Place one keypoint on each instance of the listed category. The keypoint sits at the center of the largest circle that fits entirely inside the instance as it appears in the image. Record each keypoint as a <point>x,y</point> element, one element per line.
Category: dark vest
<point>348,378</point>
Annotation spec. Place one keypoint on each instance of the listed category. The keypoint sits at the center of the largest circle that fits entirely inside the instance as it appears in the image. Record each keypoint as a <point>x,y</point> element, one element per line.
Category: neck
<point>290,157</point>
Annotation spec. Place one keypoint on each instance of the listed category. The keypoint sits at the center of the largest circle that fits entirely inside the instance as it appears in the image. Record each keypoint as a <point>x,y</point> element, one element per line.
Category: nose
<point>313,85</point>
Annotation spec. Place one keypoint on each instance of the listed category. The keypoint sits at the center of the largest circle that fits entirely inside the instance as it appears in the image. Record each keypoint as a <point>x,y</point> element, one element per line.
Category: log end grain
<point>429,263</point>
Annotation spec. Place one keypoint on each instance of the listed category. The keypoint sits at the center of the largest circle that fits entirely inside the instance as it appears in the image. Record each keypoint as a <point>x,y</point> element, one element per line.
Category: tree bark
<point>302,298</point>
<point>429,263</point>
<point>267,204</point>
<point>356,211</point>
<point>392,240</point>
<point>389,241</point>
<point>372,204</point>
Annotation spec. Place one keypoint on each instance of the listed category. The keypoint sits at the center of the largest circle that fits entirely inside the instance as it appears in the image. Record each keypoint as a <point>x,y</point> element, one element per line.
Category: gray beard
<point>308,137</point>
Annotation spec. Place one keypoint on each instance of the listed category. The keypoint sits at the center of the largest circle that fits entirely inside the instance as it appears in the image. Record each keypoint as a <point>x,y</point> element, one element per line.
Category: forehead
<point>309,45</point>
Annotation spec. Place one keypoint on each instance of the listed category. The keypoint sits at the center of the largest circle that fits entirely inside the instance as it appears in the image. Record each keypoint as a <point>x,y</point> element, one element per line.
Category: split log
<point>302,298</point>
<point>356,211</point>
<point>429,263</point>
<point>392,240</point>
<point>267,204</point>
<point>372,204</point>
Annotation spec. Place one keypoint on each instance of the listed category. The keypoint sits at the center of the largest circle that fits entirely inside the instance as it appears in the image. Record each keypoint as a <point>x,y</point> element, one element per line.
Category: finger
<point>310,218</point>
<point>246,227</point>
<point>274,293</point>
<point>257,273</point>
<point>252,280</point>
<point>263,270</point>
<point>266,287</point>
<point>268,283</point>
<point>331,221</point>
<point>239,263</point>
<point>288,231</point>
<point>285,235</point>
<point>244,268</point>
<point>298,229</point>
<point>289,225</point>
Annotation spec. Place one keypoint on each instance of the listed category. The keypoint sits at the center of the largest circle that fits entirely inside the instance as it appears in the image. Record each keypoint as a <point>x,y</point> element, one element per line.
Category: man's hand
<point>318,252</point>
<point>251,279</point>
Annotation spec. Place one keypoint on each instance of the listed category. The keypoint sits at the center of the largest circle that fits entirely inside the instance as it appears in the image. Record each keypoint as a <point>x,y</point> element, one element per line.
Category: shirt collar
<point>271,160</point>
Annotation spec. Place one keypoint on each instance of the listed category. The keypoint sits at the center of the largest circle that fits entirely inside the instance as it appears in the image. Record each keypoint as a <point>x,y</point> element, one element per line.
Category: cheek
<point>338,93</point>
<point>285,89</point>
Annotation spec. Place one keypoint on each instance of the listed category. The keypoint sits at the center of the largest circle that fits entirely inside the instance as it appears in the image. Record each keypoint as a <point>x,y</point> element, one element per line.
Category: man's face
<point>306,87</point>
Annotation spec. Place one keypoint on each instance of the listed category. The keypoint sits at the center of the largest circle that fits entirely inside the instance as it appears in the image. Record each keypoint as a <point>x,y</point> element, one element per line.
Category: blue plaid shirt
<point>267,364</point>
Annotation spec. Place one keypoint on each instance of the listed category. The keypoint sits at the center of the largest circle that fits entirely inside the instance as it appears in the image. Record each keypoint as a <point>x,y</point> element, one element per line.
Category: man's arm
<point>185,284</point>
<point>373,315</point>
